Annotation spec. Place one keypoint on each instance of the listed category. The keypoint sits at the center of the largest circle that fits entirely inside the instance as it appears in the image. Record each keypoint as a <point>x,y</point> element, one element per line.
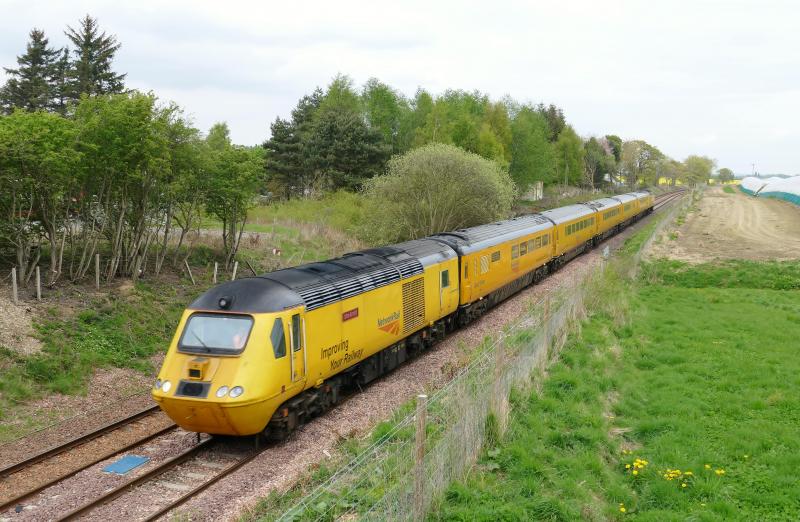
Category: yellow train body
<point>260,353</point>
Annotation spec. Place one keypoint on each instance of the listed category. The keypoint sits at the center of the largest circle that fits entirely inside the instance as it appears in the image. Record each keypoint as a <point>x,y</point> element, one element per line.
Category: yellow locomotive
<point>264,354</point>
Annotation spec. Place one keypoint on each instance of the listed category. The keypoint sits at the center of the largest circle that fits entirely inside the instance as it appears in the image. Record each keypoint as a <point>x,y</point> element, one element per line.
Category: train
<point>264,354</point>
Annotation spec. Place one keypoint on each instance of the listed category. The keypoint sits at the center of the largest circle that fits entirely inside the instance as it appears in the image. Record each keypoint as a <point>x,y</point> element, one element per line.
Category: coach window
<point>466,270</point>
<point>545,240</point>
<point>495,256</point>
<point>445,278</point>
<point>278,339</point>
<point>523,248</point>
<point>514,251</point>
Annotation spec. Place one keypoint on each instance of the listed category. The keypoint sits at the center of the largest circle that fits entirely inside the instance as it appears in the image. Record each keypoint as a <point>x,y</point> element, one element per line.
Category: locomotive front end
<point>225,370</point>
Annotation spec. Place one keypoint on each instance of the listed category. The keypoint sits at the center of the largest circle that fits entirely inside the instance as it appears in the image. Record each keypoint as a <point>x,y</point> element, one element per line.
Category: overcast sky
<point>715,78</point>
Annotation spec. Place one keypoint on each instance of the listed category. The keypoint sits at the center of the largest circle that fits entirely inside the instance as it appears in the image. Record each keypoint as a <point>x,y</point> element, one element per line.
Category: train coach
<point>266,353</point>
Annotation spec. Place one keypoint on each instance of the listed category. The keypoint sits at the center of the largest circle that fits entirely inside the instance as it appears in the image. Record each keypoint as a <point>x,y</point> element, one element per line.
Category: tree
<point>725,175</point>
<point>597,162</point>
<point>698,169</point>
<point>33,85</point>
<point>569,153</point>
<point>341,96</point>
<point>385,110</point>
<point>287,164</point>
<point>531,152</point>
<point>555,120</point>
<point>639,161</point>
<point>91,70</point>
<point>126,148</point>
<point>37,159</point>
<point>235,174</point>
<point>435,188</point>
<point>342,151</point>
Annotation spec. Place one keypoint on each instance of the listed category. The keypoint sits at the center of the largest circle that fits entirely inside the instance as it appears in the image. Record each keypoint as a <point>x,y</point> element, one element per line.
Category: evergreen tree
<point>555,120</point>
<point>343,152</point>
<point>287,160</point>
<point>60,83</point>
<point>90,71</point>
<point>32,85</point>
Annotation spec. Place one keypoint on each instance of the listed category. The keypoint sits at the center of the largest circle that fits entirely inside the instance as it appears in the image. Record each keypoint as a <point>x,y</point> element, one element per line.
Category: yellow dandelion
<point>627,466</point>
<point>689,473</point>
<point>622,509</point>
<point>635,472</point>
<point>708,466</point>
<point>683,485</point>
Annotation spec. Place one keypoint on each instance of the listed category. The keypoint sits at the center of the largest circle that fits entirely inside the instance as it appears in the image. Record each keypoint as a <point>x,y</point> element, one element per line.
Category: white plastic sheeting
<point>781,188</point>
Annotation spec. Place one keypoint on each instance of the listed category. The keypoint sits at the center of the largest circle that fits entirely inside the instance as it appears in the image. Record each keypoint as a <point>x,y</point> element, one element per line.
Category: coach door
<point>297,341</point>
<point>448,289</point>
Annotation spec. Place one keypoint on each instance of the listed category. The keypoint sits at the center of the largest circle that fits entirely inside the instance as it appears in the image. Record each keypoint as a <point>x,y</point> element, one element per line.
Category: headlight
<point>158,384</point>
<point>222,391</point>
<point>165,387</point>
<point>236,391</point>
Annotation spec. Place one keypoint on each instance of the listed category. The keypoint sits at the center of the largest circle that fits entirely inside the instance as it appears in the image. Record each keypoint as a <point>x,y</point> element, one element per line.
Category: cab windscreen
<point>216,333</point>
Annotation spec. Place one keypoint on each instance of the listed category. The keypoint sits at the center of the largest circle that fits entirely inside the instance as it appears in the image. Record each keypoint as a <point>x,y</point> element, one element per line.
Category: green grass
<point>113,331</point>
<point>704,372</point>
<point>729,189</point>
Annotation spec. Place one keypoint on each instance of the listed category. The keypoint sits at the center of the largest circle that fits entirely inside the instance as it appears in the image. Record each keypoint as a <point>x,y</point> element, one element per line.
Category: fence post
<point>235,268</point>
<point>38,284</point>
<point>14,292</point>
<point>419,458</point>
<point>498,394</point>
<point>97,271</point>
<point>216,267</point>
<point>186,262</point>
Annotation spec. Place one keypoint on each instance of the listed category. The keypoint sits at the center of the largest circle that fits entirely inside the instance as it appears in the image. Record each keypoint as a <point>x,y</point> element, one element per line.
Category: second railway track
<point>24,479</point>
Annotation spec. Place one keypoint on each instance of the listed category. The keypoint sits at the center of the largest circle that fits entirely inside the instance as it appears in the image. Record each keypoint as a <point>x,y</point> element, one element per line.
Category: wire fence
<point>391,479</point>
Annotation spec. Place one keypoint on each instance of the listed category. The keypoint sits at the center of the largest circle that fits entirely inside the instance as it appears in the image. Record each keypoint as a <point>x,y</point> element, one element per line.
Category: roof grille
<point>336,289</point>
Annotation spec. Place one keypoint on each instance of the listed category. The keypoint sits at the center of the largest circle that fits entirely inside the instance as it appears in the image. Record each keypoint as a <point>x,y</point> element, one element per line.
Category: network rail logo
<point>390,324</point>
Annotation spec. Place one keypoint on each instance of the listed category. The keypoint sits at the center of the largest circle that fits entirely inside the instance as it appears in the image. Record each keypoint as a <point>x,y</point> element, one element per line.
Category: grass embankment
<point>122,330</point>
<point>699,384</point>
<point>728,189</point>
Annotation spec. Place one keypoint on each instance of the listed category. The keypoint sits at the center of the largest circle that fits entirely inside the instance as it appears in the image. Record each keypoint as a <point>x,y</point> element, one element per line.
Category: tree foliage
<point>725,175</point>
<point>698,169</point>
<point>435,188</point>
<point>639,160</point>
<point>37,81</point>
<point>91,69</point>
<point>532,155</point>
<point>569,153</point>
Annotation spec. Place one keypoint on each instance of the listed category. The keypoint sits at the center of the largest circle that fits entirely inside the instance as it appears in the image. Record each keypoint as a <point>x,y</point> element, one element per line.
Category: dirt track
<point>734,226</point>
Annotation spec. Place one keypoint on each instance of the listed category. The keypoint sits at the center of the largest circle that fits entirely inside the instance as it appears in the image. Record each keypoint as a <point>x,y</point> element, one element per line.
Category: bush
<point>433,189</point>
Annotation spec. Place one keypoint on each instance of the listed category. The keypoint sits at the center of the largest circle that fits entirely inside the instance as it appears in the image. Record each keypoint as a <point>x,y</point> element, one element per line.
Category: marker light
<point>158,384</point>
<point>236,391</point>
<point>165,387</point>
<point>222,391</point>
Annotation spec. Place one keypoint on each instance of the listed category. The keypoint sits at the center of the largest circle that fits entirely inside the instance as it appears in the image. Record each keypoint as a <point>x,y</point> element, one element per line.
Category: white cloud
<point>706,77</point>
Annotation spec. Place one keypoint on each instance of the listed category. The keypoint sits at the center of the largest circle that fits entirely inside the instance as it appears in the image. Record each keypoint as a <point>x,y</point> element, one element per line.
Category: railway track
<point>667,198</point>
<point>28,477</point>
<point>169,484</point>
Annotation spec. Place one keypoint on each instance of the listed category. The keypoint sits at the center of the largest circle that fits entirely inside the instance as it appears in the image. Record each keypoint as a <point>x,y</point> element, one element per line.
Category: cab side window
<point>445,278</point>
<point>278,339</point>
<point>296,332</point>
